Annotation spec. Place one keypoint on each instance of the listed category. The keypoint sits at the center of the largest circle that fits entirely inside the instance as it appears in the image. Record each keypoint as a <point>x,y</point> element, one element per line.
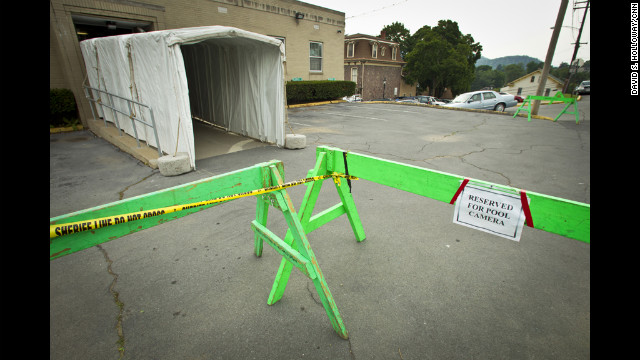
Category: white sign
<point>490,210</point>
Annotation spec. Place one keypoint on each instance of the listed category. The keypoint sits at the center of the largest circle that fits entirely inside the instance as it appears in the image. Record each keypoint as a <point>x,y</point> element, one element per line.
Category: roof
<point>368,37</point>
<point>549,76</point>
<point>192,35</point>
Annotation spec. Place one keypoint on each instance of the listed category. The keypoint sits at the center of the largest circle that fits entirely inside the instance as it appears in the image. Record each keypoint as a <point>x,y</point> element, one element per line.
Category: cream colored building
<point>528,85</point>
<point>313,35</point>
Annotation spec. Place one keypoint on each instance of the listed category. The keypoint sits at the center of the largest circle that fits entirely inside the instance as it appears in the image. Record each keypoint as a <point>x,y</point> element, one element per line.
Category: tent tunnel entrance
<point>228,77</point>
<point>224,78</point>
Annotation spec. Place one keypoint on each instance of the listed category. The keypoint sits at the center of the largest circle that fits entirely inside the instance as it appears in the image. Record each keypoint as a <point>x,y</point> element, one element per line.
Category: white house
<point>528,85</point>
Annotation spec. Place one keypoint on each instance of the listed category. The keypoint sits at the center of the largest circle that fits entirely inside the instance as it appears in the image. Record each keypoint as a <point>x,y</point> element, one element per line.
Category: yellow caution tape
<point>92,224</point>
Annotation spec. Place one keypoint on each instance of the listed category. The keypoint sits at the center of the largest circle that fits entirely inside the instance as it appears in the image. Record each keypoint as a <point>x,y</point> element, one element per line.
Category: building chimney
<point>383,34</point>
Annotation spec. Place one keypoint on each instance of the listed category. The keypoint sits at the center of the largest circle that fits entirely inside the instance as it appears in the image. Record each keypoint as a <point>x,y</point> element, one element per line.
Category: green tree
<point>442,57</point>
<point>562,73</point>
<point>483,78</point>
<point>398,33</point>
<point>499,79</point>
<point>487,77</point>
<point>425,63</point>
<point>514,71</point>
<point>533,66</point>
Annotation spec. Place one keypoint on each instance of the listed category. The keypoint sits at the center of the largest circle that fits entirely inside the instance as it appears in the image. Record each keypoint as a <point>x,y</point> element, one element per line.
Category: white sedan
<point>484,100</point>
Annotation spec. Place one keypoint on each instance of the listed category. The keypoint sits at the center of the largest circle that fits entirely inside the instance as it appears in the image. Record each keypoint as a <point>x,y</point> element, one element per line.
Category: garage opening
<point>89,27</point>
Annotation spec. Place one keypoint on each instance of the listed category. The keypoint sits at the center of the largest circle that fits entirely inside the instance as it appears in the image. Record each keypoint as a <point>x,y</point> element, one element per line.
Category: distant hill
<point>506,60</point>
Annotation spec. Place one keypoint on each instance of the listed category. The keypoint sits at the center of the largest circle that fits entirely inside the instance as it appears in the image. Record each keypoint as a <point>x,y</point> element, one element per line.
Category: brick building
<point>313,35</point>
<point>375,65</point>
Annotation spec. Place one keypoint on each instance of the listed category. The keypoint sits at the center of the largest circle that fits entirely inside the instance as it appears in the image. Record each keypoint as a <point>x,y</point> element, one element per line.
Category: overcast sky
<point>502,27</point>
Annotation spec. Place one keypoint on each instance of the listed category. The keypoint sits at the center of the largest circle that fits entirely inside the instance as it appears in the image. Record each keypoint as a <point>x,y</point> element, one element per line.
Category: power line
<point>575,51</point>
<point>372,11</point>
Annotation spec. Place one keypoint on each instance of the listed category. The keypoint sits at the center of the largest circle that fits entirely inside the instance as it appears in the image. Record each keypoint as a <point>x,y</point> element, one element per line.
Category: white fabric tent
<point>236,80</point>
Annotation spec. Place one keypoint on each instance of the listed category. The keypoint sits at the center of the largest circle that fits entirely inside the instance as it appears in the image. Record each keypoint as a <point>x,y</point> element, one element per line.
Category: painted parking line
<point>356,116</point>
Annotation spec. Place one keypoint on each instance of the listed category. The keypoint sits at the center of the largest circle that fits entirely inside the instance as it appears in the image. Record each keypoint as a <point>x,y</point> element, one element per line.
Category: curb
<point>65,129</point>
<point>315,104</point>
<point>458,109</point>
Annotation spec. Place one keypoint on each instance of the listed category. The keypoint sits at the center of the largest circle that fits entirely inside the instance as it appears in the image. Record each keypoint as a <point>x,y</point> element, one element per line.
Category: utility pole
<point>575,50</point>
<point>547,61</point>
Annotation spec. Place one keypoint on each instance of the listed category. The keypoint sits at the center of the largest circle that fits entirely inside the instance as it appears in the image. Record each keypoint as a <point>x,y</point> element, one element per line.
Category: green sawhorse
<point>295,248</point>
<point>526,105</point>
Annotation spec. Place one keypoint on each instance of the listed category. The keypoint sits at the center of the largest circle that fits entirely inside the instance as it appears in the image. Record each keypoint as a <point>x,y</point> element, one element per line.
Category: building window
<point>315,56</point>
<point>374,50</point>
<point>533,78</point>
<point>383,50</point>
<point>350,49</point>
<point>519,91</point>
<point>354,75</point>
<point>394,51</point>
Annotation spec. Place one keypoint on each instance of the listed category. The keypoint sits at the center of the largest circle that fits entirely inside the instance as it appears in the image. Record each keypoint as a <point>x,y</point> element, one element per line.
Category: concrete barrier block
<point>170,165</point>
<point>293,141</point>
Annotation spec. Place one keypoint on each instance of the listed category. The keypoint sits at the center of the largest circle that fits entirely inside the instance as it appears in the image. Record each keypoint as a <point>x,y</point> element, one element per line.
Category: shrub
<point>310,91</point>
<point>63,110</point>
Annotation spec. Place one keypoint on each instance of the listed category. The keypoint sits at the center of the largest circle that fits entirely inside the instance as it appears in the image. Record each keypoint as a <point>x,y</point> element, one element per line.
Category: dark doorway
<point>89,27</point>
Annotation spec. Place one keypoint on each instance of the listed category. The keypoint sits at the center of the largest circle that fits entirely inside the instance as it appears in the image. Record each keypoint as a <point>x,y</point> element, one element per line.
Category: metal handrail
<point>115,110</point>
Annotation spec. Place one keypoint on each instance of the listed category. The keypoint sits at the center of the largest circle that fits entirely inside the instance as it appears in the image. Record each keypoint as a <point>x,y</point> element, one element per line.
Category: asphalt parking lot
<point>418,287</point>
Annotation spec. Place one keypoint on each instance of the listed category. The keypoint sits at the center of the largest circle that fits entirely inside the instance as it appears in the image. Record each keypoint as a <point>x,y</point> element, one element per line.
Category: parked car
<point>352,98</point>
<point>438,102</point>
<point>483,99</point>
<point>425,99</point>
<point>584,87</point>
<point>446,101</point>
<point>407,99</point>
<point>517,97</point>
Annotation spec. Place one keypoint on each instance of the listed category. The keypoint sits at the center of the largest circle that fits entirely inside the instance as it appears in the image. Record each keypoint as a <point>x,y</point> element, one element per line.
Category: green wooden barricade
<point>295,248</point>
<point>560,216</point>
<point>556,215</point>
<point>526,105</point>
<point>217,186</point>
<point>295,239</point>
<point>296,251</point>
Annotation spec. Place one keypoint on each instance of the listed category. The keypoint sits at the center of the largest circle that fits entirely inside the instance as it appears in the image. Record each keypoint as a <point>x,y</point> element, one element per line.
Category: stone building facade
<point>375,65</point>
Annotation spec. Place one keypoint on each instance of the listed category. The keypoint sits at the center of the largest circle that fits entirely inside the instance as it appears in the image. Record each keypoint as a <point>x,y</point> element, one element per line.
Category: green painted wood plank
<point>234,182</point>
<point>304,247</point>
<point>324,217</point>
<point>346,199</point>
<point>308,202</point>
<point>556,215</point>
<point>287,252</point>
